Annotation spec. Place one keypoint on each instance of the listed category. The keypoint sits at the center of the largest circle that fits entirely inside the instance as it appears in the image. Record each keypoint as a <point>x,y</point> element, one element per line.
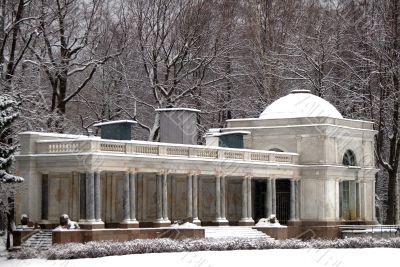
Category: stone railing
<point>161,149</point>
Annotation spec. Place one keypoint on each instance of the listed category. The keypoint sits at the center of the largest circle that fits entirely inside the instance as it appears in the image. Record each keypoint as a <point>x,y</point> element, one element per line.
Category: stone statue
<point>66,223</point>
<point>270,221</point>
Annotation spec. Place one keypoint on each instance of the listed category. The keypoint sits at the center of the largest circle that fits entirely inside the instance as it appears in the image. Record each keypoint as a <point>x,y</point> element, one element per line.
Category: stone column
<point>269,198</point>
<point>195,199</point>
<point>82,197</point>
<point>249,206</point>
<point>273,183</point>
<point>373,201</point>
<point>97,196</point>
<point>341,208</point>
<point>353,200</point>
<point>45,197</point>
<point>189,196</point>
<point>165,197</point>
<point>125,198</point>
<point>90,197</point>
<point>244,199</point>
<point>159,198</point>
<point>220,200</point>
<point>292,199</point>
<point>246,202</point>
<point>223,198</point>
<point>132,196</point>
<point>358,200</point>
<point>218,197</point>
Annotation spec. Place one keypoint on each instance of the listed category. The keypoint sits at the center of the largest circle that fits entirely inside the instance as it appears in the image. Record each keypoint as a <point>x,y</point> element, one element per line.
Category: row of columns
<point>90,199</point>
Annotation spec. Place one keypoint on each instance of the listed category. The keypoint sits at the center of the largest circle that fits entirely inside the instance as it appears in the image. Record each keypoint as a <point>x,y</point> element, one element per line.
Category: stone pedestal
<point>129,224</point>
<point>161,223</point>
<point>91,225</point>
<point>246,222</point>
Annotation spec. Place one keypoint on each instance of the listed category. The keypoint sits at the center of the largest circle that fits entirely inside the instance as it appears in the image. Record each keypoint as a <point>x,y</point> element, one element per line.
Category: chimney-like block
<point>233,139</point>
<point>116,130</point>
<point>178,125</point>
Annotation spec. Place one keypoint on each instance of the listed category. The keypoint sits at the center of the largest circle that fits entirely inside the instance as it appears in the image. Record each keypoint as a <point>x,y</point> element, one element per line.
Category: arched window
<point>349,158</point>
<point>276,150</point>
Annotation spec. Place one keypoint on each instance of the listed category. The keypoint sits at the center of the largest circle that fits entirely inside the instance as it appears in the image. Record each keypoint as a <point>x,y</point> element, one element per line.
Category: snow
<point>184,225</point>
<point>114,122</point>
<point>227,133</point>
<point>299,104</point>
<point>178,109</point>
<point>278,257</point>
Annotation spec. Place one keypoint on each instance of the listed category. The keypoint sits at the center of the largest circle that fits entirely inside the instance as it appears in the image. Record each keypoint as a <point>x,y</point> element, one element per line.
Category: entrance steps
<point>233,231</point>
<point>41,240</point>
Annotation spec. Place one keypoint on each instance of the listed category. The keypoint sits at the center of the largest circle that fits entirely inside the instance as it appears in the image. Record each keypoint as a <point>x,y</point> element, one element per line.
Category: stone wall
<point>83,236</point>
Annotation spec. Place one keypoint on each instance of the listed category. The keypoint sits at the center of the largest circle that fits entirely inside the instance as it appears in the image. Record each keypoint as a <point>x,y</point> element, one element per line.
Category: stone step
<point>41,240</point>
<point>233,231</point>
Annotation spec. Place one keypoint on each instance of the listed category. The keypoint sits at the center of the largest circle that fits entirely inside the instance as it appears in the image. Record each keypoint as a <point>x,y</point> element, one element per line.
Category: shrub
<point>96,249</point>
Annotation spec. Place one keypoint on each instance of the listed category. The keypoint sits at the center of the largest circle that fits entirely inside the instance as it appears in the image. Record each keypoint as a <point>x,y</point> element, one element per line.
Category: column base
<point>161,223</point>
<point>220,222</point>
<point>91,224</point>
<point>246,222</point>
<point>129,224</point>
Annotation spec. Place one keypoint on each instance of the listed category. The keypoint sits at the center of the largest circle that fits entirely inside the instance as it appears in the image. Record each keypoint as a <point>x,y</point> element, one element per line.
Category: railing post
<point>162,150</point>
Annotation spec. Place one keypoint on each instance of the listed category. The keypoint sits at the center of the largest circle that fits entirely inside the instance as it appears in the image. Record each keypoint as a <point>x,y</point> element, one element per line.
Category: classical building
<point>300,160</point>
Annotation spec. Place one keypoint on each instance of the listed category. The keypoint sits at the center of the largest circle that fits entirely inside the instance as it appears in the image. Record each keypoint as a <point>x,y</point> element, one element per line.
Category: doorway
<point>259,195</point>
<point>283,200</point>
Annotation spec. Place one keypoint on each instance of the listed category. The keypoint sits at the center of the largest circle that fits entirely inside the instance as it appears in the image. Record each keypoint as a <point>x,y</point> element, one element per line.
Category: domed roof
<point>298,104</point>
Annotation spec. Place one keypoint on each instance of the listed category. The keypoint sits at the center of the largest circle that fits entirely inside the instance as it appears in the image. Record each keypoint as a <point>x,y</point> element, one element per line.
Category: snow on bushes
<point>139,246</point>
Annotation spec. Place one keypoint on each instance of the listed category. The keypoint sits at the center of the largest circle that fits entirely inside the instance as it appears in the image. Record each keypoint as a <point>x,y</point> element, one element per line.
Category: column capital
<point>162,171</point>
<point>219,174</point>
<point>133,170</point>
<point>193,173</point>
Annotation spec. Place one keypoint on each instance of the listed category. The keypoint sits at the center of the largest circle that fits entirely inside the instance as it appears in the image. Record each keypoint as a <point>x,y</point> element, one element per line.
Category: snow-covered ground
<point>276,257</point>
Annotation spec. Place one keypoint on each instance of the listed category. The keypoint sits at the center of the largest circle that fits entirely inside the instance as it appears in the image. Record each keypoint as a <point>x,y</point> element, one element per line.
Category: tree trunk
<point>392,206</point>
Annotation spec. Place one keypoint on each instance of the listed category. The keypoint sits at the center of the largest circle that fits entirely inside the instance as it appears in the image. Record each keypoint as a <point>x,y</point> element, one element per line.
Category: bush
<point>96,249</point>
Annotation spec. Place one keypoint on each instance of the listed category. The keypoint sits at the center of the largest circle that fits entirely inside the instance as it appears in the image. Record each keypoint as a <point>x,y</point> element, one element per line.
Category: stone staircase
<point>233,231</point>
<point>41,240</point>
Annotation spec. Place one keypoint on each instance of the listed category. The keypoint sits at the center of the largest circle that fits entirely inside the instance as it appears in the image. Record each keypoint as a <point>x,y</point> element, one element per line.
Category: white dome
<point>299,104</point>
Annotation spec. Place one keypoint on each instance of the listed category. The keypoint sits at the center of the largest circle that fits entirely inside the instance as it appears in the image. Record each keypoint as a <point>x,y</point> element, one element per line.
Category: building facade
<point>300,160</point>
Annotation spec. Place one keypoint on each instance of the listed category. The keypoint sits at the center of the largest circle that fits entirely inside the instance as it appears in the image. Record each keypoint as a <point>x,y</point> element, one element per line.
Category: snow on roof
<point>216,134</point>
<point>114,122</point>
<point>178,109</point>
<point>299,104</point>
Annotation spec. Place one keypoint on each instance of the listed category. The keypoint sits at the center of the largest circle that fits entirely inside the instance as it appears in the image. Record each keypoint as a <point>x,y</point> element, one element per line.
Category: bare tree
<point>175,48</point>
<point>67,50</point>
<point>14,21</point>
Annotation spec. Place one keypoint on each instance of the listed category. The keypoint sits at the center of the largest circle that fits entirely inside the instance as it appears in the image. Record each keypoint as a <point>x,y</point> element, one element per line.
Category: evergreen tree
<point>8,114</point>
